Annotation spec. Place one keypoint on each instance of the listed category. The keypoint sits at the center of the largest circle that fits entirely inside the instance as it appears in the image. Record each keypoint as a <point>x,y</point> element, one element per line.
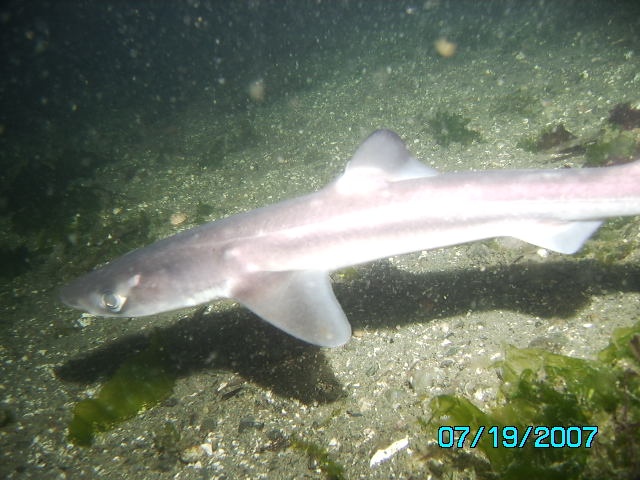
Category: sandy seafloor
<point>442,316</point>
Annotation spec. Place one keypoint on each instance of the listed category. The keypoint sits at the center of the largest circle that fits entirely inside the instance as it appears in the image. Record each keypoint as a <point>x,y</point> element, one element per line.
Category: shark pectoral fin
<point>301,303</point>
<point>560,237</point>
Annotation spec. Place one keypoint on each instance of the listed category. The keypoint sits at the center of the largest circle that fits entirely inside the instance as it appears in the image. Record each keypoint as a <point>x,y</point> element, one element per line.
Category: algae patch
<point>614,242</point>
<point>613,146</point>
<point>320,456</point>
<point>140,383</point>
<point>544,389</point>
<point>448,128</point>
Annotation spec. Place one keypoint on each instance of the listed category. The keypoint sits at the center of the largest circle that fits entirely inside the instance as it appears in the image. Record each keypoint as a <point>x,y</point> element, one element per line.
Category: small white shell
<point>386,453</point>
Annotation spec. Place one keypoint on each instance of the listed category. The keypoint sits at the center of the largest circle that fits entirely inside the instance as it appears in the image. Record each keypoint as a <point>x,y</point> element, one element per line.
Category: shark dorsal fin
<point>383,155</point>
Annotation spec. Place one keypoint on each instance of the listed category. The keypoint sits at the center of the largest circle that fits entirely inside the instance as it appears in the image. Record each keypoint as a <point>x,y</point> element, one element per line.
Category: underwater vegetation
<point>448,128</point>
<point>618,141</point>
<point>613,146</point>
<point>141,382</point>
<point>544,389</point>
<point>606,246</point>
<point>318,454</point>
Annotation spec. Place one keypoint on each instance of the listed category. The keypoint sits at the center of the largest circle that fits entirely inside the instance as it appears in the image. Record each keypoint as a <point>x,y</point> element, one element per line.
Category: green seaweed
<point>542,388</point>
<point>607,246</point>
<point>613,146</point>
<point>332,469</point>
<point>141,382</point>
<point>448,128</point>
<point>623,346</point>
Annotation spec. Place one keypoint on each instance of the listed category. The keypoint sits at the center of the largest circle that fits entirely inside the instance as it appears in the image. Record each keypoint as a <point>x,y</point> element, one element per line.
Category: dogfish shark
<point>276,260</point>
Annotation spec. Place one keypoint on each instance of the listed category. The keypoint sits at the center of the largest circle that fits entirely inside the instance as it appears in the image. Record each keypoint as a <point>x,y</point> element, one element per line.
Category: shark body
<point>276,260</point>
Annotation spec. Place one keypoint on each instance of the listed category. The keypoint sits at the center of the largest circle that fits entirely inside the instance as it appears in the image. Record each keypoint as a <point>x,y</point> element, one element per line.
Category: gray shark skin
<point>275,260</point>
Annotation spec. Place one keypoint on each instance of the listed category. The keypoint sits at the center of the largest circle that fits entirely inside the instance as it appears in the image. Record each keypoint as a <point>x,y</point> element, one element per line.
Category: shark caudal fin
<point>301,303</point>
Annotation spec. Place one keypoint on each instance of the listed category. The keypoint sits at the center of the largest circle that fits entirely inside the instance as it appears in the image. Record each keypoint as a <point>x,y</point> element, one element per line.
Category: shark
<point>276,260</point>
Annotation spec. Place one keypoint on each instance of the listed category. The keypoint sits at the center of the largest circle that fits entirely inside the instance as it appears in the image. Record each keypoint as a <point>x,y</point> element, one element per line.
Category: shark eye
<point>112,302</point>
